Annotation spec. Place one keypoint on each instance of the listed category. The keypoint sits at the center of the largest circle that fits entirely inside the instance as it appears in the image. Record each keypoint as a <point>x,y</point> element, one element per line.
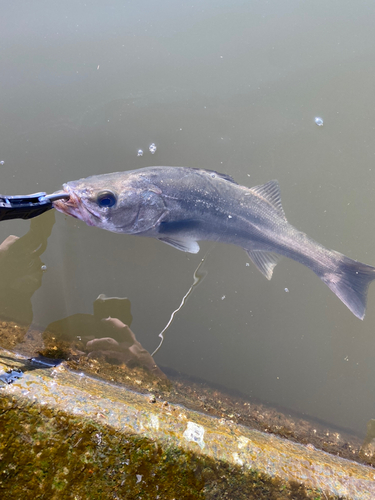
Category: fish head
<point>115,202</point>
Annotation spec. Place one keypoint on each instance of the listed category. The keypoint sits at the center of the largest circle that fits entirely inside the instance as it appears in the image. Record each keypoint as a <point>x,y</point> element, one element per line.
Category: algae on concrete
<point>49,454</point>
<point>66,435</point>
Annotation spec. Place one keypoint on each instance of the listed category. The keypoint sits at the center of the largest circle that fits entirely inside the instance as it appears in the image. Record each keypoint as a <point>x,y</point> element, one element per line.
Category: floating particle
<point>140,152</point>
<point>319,121</point>
<point>2,162</point>
<point>247,264</point>
<point>223,297</point>
<point>152,148</point>
<point>139,478</point>
<point>286,289</point>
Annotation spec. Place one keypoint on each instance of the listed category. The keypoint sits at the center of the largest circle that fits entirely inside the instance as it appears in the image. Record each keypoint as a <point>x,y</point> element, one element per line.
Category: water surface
<point>229,86</point>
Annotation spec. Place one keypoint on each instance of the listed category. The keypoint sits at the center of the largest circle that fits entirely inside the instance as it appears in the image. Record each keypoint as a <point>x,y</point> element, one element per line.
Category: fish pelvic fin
<point>265,261</point>
<point>349,280</point>
<point>183,244</point>
<point>270,192</point>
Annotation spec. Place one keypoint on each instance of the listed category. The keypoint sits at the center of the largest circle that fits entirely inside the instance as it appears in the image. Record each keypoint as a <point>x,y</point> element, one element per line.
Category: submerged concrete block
<point>66,435</point>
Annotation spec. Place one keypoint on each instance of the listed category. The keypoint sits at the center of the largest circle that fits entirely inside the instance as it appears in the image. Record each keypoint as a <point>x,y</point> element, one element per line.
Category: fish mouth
<point>74,206</point>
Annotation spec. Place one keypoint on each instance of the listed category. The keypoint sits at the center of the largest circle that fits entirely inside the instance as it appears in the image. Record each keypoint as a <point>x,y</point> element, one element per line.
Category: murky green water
<point>229,86</point>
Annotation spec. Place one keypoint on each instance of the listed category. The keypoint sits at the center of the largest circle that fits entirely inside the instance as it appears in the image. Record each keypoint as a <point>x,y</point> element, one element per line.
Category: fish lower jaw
<point>66,208</point>
<point>73,207</point>
<point>77,213</point>
<point>89,222</point>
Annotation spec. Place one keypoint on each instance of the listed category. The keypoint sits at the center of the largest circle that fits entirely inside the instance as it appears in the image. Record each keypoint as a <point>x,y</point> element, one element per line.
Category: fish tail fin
<point>349,280</point>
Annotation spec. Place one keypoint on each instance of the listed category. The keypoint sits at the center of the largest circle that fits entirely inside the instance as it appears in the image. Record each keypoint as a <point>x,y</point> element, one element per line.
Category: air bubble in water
<point>152,148</point>
<point>319,121</point>
<point>43,267</point>
<point>140,152</point>
<point>2,162</point>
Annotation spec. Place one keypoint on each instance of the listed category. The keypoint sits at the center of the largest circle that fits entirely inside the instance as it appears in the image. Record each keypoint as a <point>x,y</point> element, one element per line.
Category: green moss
<point>56,456</point>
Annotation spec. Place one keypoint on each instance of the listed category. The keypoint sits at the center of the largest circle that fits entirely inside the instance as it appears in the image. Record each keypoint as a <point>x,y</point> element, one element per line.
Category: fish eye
<point>106,199</point>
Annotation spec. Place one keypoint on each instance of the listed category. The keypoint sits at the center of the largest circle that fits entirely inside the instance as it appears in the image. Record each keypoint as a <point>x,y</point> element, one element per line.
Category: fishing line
<point>198,277</point>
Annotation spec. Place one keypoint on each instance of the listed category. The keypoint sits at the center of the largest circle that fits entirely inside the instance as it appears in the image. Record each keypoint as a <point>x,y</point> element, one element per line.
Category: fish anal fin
<point>270,192</point>
<point>183,244</point>
<point>265,261</point>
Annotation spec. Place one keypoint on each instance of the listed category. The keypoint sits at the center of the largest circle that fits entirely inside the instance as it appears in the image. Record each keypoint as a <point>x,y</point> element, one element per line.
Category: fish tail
<point>349,280</point>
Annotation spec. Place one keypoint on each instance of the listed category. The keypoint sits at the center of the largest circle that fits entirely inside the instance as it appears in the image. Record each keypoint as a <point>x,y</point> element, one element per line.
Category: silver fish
<point>181,206</point>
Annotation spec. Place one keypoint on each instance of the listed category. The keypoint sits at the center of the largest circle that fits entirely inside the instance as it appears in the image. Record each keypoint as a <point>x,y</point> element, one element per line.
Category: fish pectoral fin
<point>270,192</point>
<point>265,261</point>
<point>183,244</point>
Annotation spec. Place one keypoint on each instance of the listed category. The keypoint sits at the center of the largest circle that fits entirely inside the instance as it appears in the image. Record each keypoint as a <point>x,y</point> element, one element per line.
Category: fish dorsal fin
<point>270,192</point>
<point>226,177</point>
<point>183,244</point>
<point>265,261</point>
<point>213,173</point>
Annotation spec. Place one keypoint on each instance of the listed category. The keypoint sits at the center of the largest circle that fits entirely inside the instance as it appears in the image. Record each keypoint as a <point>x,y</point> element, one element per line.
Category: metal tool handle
<point>27,206</point>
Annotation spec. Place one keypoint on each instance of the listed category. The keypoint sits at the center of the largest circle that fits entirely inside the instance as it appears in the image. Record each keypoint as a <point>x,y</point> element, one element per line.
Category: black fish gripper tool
<point>28,206</point>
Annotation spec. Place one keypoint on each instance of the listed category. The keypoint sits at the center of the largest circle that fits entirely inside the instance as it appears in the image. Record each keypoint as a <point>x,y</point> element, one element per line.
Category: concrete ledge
<point>65,435</point>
